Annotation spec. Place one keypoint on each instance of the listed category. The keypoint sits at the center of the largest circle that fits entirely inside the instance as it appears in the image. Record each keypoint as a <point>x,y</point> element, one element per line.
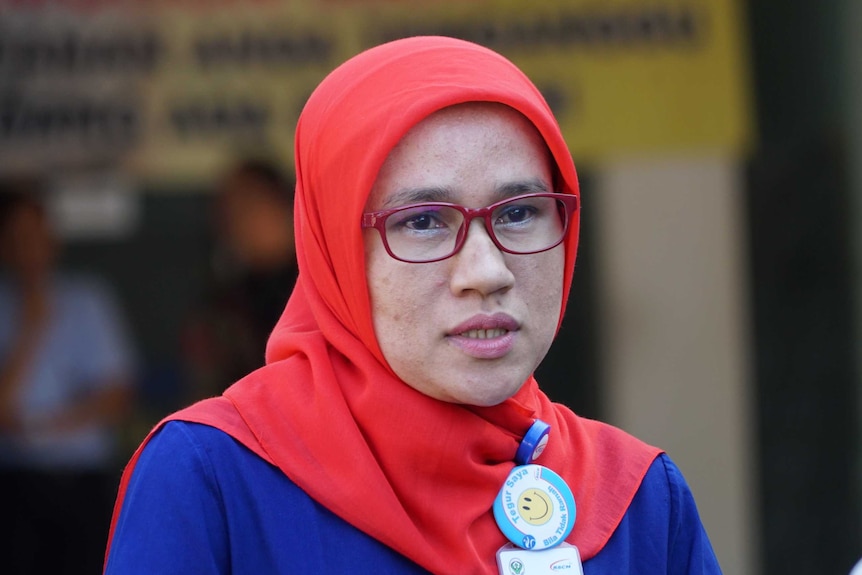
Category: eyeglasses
<point>434,231</point>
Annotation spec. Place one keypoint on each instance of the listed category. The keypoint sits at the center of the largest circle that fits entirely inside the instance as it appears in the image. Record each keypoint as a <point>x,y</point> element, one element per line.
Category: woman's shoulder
<point>661,530</point>
<point>663,487</point>
<point>190,439</point>
<point>664,483</point>
<point>190,453</point>
<point>198,483</point>
<point>219,424</point>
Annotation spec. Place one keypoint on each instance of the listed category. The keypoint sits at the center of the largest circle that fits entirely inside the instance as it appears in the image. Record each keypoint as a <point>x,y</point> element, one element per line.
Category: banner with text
<point>171,90</point>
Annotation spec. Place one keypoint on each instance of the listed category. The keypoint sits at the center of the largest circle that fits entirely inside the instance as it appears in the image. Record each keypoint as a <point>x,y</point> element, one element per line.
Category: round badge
<point>535,509</point>
<point>533,444</point>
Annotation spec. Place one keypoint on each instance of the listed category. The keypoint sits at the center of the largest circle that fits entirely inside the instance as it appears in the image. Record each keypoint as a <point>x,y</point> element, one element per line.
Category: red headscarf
<point>416,473</point>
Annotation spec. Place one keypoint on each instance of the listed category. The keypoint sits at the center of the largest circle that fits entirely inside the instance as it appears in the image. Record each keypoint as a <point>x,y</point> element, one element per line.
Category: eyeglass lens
<point>430,231</point>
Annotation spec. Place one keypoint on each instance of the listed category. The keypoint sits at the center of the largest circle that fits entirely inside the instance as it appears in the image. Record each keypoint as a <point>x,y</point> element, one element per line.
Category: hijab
<point>416,473</point>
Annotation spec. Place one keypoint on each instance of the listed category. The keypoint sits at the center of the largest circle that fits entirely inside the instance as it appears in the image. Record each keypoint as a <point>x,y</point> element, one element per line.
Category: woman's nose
<point>480,265</point>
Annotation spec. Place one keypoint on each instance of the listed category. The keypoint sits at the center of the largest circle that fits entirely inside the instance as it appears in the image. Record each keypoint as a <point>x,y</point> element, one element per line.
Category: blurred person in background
<point>65,384</point>
<point>253,272</point>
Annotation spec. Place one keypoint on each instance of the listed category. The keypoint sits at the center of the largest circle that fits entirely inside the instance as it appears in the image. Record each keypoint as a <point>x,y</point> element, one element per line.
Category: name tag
<point>563,558</point>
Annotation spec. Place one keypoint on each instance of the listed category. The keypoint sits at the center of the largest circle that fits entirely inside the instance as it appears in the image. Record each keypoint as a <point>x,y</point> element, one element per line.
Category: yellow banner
<point>173,90</point>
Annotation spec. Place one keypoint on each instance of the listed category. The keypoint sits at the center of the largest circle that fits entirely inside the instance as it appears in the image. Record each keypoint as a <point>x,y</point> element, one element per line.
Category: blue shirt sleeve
<point>172,520</point>
<point>661,533</point>
<point>199,502</point>
<point>690,550</point>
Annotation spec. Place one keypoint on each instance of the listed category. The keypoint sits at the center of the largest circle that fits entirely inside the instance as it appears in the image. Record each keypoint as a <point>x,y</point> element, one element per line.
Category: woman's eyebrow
<point>409,196</point>
<point>418,195</point>
<point>517,188</point>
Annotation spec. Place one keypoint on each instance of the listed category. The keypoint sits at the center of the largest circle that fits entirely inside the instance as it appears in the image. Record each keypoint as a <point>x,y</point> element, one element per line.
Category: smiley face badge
<point>535,509</point>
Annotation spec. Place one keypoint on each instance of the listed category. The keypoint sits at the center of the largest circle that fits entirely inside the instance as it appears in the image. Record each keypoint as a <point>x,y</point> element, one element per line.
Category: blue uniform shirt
<point>200,502</point>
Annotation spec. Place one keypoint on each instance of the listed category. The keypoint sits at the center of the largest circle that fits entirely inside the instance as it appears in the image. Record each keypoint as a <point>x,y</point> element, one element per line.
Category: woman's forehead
<point>462,143</point>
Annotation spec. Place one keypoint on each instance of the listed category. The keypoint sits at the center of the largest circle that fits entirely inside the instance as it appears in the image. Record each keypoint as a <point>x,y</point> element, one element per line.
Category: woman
<point>398,392</point>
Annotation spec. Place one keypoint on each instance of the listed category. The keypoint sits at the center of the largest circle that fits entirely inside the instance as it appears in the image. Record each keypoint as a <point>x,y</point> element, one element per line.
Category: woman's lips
<point>485,337</point>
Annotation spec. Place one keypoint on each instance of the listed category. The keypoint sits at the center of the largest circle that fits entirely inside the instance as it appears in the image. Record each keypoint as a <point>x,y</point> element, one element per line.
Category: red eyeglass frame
<point>377,221</point>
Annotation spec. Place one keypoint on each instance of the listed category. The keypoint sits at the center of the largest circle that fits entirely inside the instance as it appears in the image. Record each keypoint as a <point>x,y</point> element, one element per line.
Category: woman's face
<point>471,328</point>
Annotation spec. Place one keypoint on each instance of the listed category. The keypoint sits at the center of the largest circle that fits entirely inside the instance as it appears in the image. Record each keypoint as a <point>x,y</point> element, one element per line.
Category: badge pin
<point>535,509</point>
<point>534,443</point>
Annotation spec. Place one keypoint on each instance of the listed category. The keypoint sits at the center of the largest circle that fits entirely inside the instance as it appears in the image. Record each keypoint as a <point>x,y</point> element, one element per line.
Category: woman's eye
<point>516,214</point>
<point>422,222</point>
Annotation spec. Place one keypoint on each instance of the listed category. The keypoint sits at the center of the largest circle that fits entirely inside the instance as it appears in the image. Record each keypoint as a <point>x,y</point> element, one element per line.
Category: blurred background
<point>145,161</point>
